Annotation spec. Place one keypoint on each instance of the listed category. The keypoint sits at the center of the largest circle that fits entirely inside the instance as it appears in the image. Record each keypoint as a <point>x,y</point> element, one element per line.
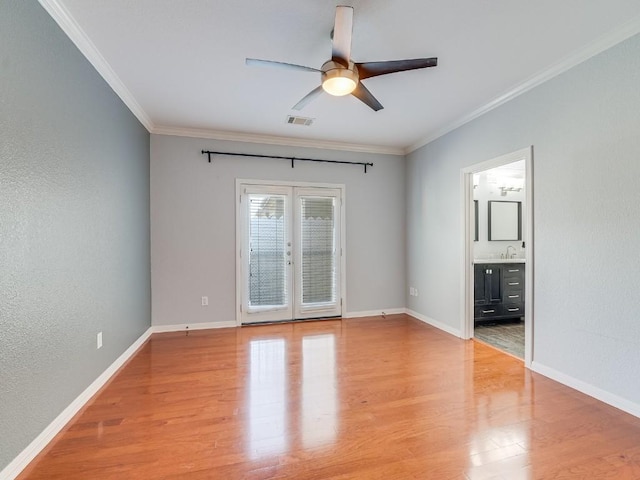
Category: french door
<point>289,253</point>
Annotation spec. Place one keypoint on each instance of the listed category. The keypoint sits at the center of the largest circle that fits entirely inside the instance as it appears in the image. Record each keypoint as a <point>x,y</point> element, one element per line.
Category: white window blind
<point>267,245</point>
<point>318,244</point>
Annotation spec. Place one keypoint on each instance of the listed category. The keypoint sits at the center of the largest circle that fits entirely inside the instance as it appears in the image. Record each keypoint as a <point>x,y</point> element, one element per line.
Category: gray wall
<point>74,224</point>
<point>193,225</point>
<point>584,126</point>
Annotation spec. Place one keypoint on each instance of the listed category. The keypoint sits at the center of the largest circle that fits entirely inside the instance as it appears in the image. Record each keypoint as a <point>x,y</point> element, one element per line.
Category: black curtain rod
<point>293,159</point>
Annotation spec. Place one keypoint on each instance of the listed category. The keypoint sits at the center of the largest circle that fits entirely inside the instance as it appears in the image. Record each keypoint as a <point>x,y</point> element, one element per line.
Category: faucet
<point>514,252</point>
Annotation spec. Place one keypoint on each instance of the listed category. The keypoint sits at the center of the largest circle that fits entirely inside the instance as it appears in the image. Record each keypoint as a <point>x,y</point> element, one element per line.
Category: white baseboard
<point>191,326</point>
<point>588,389</point>
<point>374,313</point>
<point>393,311</point>
<point>434,323</point>
<point>19,463</point>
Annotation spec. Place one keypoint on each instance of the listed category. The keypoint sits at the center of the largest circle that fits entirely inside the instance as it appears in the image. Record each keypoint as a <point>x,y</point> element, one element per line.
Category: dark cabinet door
<point>493,285</point>
<point>487,286</point>
<point>479,285</point>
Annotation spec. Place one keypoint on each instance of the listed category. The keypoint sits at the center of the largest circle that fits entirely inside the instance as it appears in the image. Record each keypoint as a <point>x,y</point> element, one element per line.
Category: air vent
<point>299,120</point>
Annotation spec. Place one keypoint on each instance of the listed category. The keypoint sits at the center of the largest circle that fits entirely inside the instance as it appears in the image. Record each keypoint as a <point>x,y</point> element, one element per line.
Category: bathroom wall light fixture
<point>505,190</point>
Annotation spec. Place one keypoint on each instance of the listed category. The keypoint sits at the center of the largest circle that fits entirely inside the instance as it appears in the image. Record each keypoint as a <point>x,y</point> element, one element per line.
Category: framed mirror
<point>505,220</point>
<point>475,219</point>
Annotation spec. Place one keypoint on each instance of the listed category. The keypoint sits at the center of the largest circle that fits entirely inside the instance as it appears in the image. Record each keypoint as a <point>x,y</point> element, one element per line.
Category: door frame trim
<point>293,184</point>
<point>468,229</point>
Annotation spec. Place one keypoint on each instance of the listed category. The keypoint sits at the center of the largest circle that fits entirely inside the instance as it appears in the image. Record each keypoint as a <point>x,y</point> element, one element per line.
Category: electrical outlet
<point>99,340</point>
<point>415,292</point>
<point>412,291</point>
<point>205,301</point>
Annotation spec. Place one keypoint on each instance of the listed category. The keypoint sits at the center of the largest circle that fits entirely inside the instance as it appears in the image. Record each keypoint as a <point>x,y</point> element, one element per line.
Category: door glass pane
<point>268,251</point>
<point>318,250</point>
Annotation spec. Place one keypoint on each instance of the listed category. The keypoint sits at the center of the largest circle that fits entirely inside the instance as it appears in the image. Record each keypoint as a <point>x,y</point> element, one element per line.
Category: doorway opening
<point>498,253</point>
<point>290,252</point>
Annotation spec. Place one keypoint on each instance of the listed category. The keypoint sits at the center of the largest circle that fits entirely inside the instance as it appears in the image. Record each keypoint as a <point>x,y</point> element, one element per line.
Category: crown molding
<point>274,140</point>
<point>627,30</point>
<point>75,33</point>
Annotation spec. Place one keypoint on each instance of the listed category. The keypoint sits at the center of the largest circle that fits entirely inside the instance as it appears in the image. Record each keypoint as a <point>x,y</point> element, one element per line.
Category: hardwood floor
<point>365,399</point>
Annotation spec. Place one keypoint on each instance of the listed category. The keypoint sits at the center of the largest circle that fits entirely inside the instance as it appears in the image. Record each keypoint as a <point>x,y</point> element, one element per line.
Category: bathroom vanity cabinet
<point>498,291</point>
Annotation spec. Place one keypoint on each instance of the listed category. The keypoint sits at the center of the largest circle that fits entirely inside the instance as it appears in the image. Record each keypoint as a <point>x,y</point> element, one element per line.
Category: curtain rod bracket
<point>206,152</point>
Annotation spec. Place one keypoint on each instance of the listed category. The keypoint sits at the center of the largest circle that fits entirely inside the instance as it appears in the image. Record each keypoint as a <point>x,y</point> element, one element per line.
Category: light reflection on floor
<point>319,390</point>
<point>267,398</point>
<point>271,379</point>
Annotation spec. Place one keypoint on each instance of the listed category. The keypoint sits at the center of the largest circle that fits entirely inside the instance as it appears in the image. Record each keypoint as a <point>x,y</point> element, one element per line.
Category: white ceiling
<point>179,65</point>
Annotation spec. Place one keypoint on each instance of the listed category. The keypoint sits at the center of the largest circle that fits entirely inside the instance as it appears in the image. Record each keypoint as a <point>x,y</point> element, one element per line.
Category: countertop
<point>498,260</point>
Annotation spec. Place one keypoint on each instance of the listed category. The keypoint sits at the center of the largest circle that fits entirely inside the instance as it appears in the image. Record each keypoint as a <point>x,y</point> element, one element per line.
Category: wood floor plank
<point>373,398</point>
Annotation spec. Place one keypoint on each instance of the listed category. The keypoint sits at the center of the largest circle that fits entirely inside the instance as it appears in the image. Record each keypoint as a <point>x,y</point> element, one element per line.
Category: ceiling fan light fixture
<point>339,86</point>
<point>339,81</point>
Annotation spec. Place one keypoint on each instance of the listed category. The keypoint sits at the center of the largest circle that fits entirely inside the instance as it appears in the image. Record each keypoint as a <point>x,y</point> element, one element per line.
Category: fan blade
<point>365,96</point>
<point>308,98</point>
<point>254,62</point>
<point>342,29</point>
<point>373,69</point>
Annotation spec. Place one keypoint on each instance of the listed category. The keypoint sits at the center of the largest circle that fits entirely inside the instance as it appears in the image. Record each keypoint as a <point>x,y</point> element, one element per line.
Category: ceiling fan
<point>340,75</point>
